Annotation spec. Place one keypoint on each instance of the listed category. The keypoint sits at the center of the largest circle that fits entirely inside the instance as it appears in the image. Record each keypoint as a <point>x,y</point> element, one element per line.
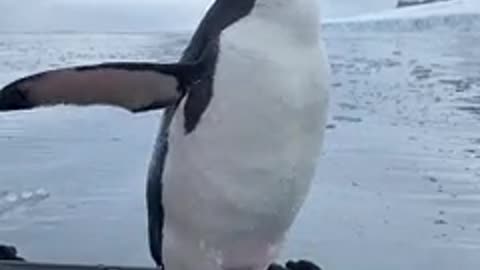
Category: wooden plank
<point>10,265</point>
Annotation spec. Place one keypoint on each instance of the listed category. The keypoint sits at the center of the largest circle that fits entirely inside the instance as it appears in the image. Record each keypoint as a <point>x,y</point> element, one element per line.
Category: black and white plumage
<point>245,117</point>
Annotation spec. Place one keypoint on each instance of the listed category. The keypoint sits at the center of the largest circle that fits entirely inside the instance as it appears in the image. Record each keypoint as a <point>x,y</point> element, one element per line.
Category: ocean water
<point>398,185</point>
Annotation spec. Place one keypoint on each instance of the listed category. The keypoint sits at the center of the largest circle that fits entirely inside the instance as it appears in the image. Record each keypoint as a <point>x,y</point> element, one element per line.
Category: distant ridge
<point>408,3</point>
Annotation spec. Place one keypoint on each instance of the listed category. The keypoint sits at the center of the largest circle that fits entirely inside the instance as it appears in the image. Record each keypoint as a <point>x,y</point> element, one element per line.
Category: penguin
<point>244,119</point>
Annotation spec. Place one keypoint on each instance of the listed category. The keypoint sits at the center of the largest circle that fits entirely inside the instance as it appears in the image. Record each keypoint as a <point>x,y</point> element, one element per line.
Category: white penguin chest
<point>254,151</point>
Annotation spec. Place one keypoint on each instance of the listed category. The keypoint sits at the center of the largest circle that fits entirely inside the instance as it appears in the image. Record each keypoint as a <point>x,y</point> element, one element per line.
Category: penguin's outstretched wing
<point>136,87</point>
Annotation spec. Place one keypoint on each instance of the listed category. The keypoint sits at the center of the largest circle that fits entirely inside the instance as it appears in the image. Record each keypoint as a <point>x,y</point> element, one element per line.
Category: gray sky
<point>135,15</point>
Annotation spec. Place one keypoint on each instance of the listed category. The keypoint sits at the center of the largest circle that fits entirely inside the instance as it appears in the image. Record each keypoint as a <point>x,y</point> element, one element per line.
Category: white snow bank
<point>463,15</point>
<point>456,7</point>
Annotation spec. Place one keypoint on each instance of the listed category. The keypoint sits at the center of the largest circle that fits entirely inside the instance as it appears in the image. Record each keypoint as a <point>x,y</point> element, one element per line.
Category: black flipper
<point>133,86</point>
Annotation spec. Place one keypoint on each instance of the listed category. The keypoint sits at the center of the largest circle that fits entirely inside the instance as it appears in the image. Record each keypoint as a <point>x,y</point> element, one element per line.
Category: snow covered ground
<point>433,9</point>
<point>398,186</point>
<point>459,15</point>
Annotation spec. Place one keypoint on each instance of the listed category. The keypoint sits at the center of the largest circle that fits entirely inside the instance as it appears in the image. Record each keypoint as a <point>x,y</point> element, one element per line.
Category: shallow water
<point>398,186</point>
